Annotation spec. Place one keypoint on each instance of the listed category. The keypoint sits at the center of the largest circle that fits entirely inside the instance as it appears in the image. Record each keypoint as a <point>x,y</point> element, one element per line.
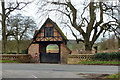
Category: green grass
<point>113,76</point>
<point>99,62</point>
<point>52,47</point>
<point>8,61</point>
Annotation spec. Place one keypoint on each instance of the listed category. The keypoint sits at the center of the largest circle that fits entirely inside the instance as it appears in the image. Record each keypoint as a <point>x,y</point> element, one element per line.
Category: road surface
<point>53,70</point>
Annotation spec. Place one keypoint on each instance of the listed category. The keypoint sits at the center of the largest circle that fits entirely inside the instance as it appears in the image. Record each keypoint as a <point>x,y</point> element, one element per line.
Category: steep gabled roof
<point>36,31</point>
<point>59,29</point>
<point>55,25</point>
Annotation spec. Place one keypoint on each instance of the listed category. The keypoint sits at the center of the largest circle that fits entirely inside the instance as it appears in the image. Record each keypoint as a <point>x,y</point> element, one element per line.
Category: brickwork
<point>24,58</point>
<point>74,59</point>
<point>33,50</point>
<point>64,53</point>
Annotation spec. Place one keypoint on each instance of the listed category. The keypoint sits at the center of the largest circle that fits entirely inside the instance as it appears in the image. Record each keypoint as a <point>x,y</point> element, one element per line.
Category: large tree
<point>115,26</point>
<point>7,8</point>
<point>20,28</point>
<point>91,23</point>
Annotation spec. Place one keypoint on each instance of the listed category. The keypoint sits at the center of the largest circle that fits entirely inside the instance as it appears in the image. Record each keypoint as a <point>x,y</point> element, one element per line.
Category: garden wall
<point>65,51</point>
<point>23,58</point>
<point>75,58</point>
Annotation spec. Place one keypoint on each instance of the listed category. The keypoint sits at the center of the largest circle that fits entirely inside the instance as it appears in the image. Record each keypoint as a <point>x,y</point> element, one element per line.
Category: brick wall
<point>33,50</point>
<point>75,58</point>
<point>64,53</point>
<point>24,58</point>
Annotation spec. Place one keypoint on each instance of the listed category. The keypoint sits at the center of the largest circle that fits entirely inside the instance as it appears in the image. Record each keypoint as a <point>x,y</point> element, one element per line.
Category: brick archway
<point>46,57</point>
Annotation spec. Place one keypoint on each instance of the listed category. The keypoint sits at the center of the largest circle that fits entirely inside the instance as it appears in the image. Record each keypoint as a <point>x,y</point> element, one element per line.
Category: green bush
<point>24,51</point>
<point>118,56</point>
<point>11,53</point>
<point>113,76</point>
<point>107,56</point>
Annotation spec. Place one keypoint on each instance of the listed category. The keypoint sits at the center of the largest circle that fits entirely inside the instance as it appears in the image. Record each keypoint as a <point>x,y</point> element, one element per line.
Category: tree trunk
<point>88,47</point>
<point>119,44</point>
<point>4,38</point>
<point>18,47</point>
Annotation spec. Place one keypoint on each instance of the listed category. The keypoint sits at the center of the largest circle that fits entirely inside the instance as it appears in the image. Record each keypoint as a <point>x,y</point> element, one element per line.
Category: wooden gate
<point>50,58</point>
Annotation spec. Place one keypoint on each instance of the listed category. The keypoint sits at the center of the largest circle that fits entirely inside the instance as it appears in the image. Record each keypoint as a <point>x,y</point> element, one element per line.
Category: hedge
<point>24,51</point>
<point>107,56</point>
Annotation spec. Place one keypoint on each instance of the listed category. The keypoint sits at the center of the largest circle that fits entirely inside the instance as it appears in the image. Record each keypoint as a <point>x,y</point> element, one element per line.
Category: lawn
<point>100,62</point>
<point>114,76</point>
<point>8,61</point>
<point>52,47</point>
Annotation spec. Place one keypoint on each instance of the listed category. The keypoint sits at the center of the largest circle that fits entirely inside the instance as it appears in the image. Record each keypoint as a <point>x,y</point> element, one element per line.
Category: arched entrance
<point>52,48</point>
<point>51,54</point>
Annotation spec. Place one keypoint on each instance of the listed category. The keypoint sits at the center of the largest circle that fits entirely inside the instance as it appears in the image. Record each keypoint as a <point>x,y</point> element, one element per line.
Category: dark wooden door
<point>50,57</point>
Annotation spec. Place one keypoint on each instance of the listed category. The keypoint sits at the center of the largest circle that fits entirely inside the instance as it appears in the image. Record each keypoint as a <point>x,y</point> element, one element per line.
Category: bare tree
<point>116,31</point>
<point>90,23</point>
<point>115,27</point>
<point>4,40</point>
<point>20,27</point>
<point>6,10</point>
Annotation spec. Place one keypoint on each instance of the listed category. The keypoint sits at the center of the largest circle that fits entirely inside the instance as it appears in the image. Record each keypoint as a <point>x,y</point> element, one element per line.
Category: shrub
<point>107,56</point>
<point>11,53</point>
<point>118,56</point>
<point>24,51</point>
<point>113,56</point>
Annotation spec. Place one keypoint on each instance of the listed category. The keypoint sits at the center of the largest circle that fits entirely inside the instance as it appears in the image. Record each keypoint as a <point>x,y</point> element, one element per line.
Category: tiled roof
<point>58,29</point>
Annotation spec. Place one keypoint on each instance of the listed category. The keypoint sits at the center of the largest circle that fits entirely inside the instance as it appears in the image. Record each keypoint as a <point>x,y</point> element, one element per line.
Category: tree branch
<point>98,23</point>
<point>84,11</point>
<point>11,9</point>
<point>78,40</point>
<point>75,35</point>
<point>92,19</point>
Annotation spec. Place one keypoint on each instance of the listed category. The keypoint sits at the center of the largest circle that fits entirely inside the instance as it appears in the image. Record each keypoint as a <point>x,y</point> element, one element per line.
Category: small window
<point>49,32</point>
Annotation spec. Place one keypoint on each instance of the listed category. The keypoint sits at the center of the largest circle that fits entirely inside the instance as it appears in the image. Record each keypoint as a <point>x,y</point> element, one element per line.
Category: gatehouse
<point>49,34</point>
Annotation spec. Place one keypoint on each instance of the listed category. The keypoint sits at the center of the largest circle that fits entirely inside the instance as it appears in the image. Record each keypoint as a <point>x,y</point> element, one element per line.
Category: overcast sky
<point>31,10</point>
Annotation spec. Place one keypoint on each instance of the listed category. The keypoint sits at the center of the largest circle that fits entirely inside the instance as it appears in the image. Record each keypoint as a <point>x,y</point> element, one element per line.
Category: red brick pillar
<point>64,53</point>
